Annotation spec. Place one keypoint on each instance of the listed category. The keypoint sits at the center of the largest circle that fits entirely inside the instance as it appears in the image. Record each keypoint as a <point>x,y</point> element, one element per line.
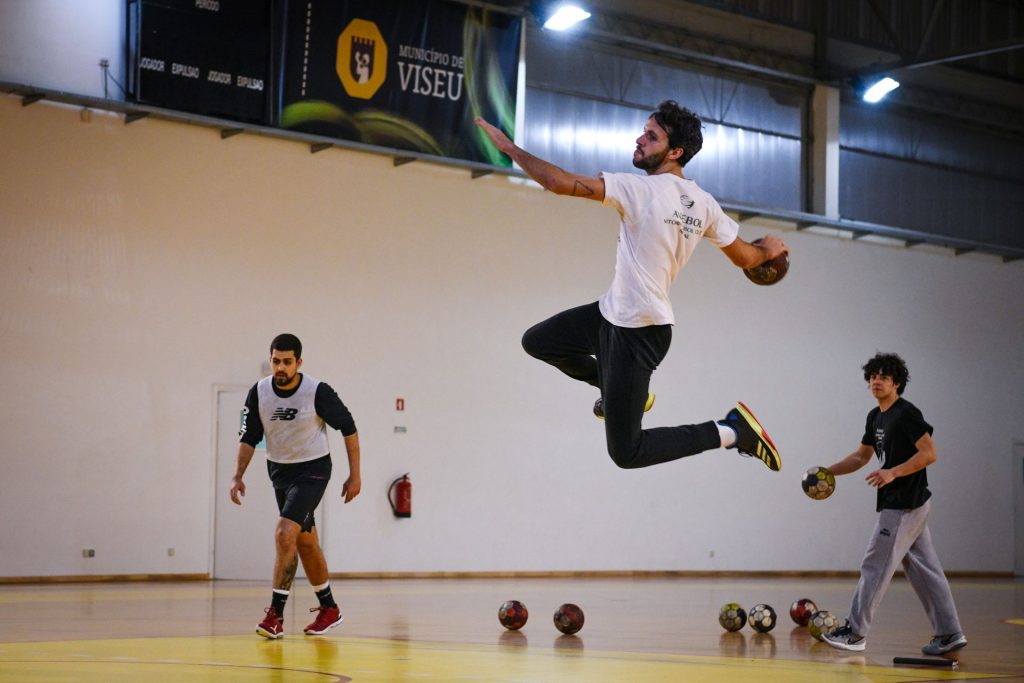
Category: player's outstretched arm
<point>746,255</point>
<point>549,176</point>
<point>854,461</point>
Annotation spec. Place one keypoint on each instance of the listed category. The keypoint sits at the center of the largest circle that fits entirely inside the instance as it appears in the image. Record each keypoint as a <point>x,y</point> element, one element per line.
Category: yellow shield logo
<point>362,63</point>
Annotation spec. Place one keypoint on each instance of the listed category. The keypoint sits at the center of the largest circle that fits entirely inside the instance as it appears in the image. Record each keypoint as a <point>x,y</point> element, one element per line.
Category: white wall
<point>58,44</point>
<point>146,263</point>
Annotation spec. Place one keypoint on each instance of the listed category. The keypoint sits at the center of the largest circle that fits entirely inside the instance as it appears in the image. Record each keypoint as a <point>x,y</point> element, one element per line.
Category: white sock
<point>727,435</point>
<point>317,589</point>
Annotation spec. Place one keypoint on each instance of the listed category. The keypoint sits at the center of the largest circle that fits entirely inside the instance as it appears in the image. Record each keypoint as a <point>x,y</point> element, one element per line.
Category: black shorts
<point>299,488</point>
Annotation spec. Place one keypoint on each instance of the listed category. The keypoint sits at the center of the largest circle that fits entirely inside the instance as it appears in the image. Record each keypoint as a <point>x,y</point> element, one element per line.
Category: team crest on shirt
<point>688,225</point>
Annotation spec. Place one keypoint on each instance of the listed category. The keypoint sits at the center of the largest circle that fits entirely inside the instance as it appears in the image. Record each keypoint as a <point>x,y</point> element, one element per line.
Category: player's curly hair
<point>888,364</point>
<point>683,128</point>
<point>287,342</point>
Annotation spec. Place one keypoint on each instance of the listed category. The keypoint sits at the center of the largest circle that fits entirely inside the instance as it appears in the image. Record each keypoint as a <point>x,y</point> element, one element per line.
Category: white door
<point>243,546</point>
<point>1018,507</point>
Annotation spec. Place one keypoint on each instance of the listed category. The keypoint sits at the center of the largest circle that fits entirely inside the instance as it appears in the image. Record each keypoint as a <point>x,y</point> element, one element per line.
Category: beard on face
<point>650,162</point>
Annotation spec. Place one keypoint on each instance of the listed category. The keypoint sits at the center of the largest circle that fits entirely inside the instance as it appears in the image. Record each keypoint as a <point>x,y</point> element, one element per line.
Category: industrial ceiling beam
<point>677,44</point>
<point>684,45</point>
<point>972,52</point>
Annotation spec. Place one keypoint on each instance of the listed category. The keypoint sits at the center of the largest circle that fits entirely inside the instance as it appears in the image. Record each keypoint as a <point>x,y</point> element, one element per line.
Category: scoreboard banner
<point>400,74</point>
<point>205,56</point>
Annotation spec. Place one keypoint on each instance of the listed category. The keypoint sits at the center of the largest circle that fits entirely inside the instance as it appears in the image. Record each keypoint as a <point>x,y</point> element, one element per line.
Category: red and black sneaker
<point>272,625</point>
<point>326,619</point>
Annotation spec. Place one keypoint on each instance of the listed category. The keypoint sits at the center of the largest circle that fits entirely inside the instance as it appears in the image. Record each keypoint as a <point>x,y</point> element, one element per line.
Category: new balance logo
<point>284,414</point>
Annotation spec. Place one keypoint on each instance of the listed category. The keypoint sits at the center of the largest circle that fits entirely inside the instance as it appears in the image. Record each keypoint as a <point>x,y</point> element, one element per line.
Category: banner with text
<point>412,80</point>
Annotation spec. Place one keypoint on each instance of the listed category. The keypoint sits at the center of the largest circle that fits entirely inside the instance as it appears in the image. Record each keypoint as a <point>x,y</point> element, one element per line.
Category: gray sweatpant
<point>903,536</point>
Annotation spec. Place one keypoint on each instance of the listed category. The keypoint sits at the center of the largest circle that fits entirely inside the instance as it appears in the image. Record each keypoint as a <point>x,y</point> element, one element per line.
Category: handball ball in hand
<point>769,272</point>
<point>818,483</point>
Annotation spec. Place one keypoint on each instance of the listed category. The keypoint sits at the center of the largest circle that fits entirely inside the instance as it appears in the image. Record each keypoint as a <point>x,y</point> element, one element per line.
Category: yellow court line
<point>1015,622</point>
<point>372,660</point>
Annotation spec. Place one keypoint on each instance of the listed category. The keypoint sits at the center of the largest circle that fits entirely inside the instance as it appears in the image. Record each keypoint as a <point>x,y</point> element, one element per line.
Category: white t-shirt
<point>664,217</point>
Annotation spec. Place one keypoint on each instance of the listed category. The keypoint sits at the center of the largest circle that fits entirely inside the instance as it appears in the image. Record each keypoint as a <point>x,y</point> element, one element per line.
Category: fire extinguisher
<point>401,504</point>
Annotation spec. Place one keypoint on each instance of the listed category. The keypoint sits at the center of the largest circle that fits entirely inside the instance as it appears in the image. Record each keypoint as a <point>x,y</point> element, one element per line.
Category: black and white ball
<point>762,618</point>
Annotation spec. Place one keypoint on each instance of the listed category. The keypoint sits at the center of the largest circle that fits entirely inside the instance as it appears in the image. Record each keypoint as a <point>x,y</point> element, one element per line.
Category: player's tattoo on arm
<point>581,189</point>
<point>289,574</point>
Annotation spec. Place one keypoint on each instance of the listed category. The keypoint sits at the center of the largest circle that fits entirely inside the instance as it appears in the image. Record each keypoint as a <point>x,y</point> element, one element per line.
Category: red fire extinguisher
<point>401,504</point>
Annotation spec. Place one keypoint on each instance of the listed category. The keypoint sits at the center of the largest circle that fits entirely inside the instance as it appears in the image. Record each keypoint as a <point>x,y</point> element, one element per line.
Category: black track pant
<point>618,361</point>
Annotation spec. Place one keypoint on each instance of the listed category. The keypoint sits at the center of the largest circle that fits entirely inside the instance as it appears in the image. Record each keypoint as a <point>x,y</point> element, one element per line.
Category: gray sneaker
<point>845,639</point>
<point>941,645</point>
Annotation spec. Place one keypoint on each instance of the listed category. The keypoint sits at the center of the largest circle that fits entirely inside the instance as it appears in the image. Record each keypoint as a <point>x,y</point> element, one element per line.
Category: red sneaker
<point>326,619</point>
<point>272,626</point>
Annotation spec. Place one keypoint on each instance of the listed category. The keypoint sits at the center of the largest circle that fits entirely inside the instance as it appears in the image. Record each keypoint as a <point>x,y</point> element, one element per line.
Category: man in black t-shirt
<point>293,410</point>
<point>898,435</point>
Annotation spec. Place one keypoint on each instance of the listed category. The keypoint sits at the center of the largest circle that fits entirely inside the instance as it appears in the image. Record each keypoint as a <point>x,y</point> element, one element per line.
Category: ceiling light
<point>566,16</point>
<point>880,89</point>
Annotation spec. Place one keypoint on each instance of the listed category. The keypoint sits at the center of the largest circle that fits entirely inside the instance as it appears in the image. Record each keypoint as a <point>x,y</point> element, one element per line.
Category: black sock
<point>277,600</point>
<point>325,597</point>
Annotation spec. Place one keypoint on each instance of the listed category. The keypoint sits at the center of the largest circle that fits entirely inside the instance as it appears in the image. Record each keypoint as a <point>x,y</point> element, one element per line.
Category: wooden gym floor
<point>637,629</point>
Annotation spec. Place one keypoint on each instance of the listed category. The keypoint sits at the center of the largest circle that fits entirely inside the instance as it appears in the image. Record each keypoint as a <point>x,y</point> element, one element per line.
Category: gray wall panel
<point>935,176</point>
<point>752,168</point>
<point>933,200</point>
<point>891,132</point>
<point>555,63</point>
<point>586,136</point>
